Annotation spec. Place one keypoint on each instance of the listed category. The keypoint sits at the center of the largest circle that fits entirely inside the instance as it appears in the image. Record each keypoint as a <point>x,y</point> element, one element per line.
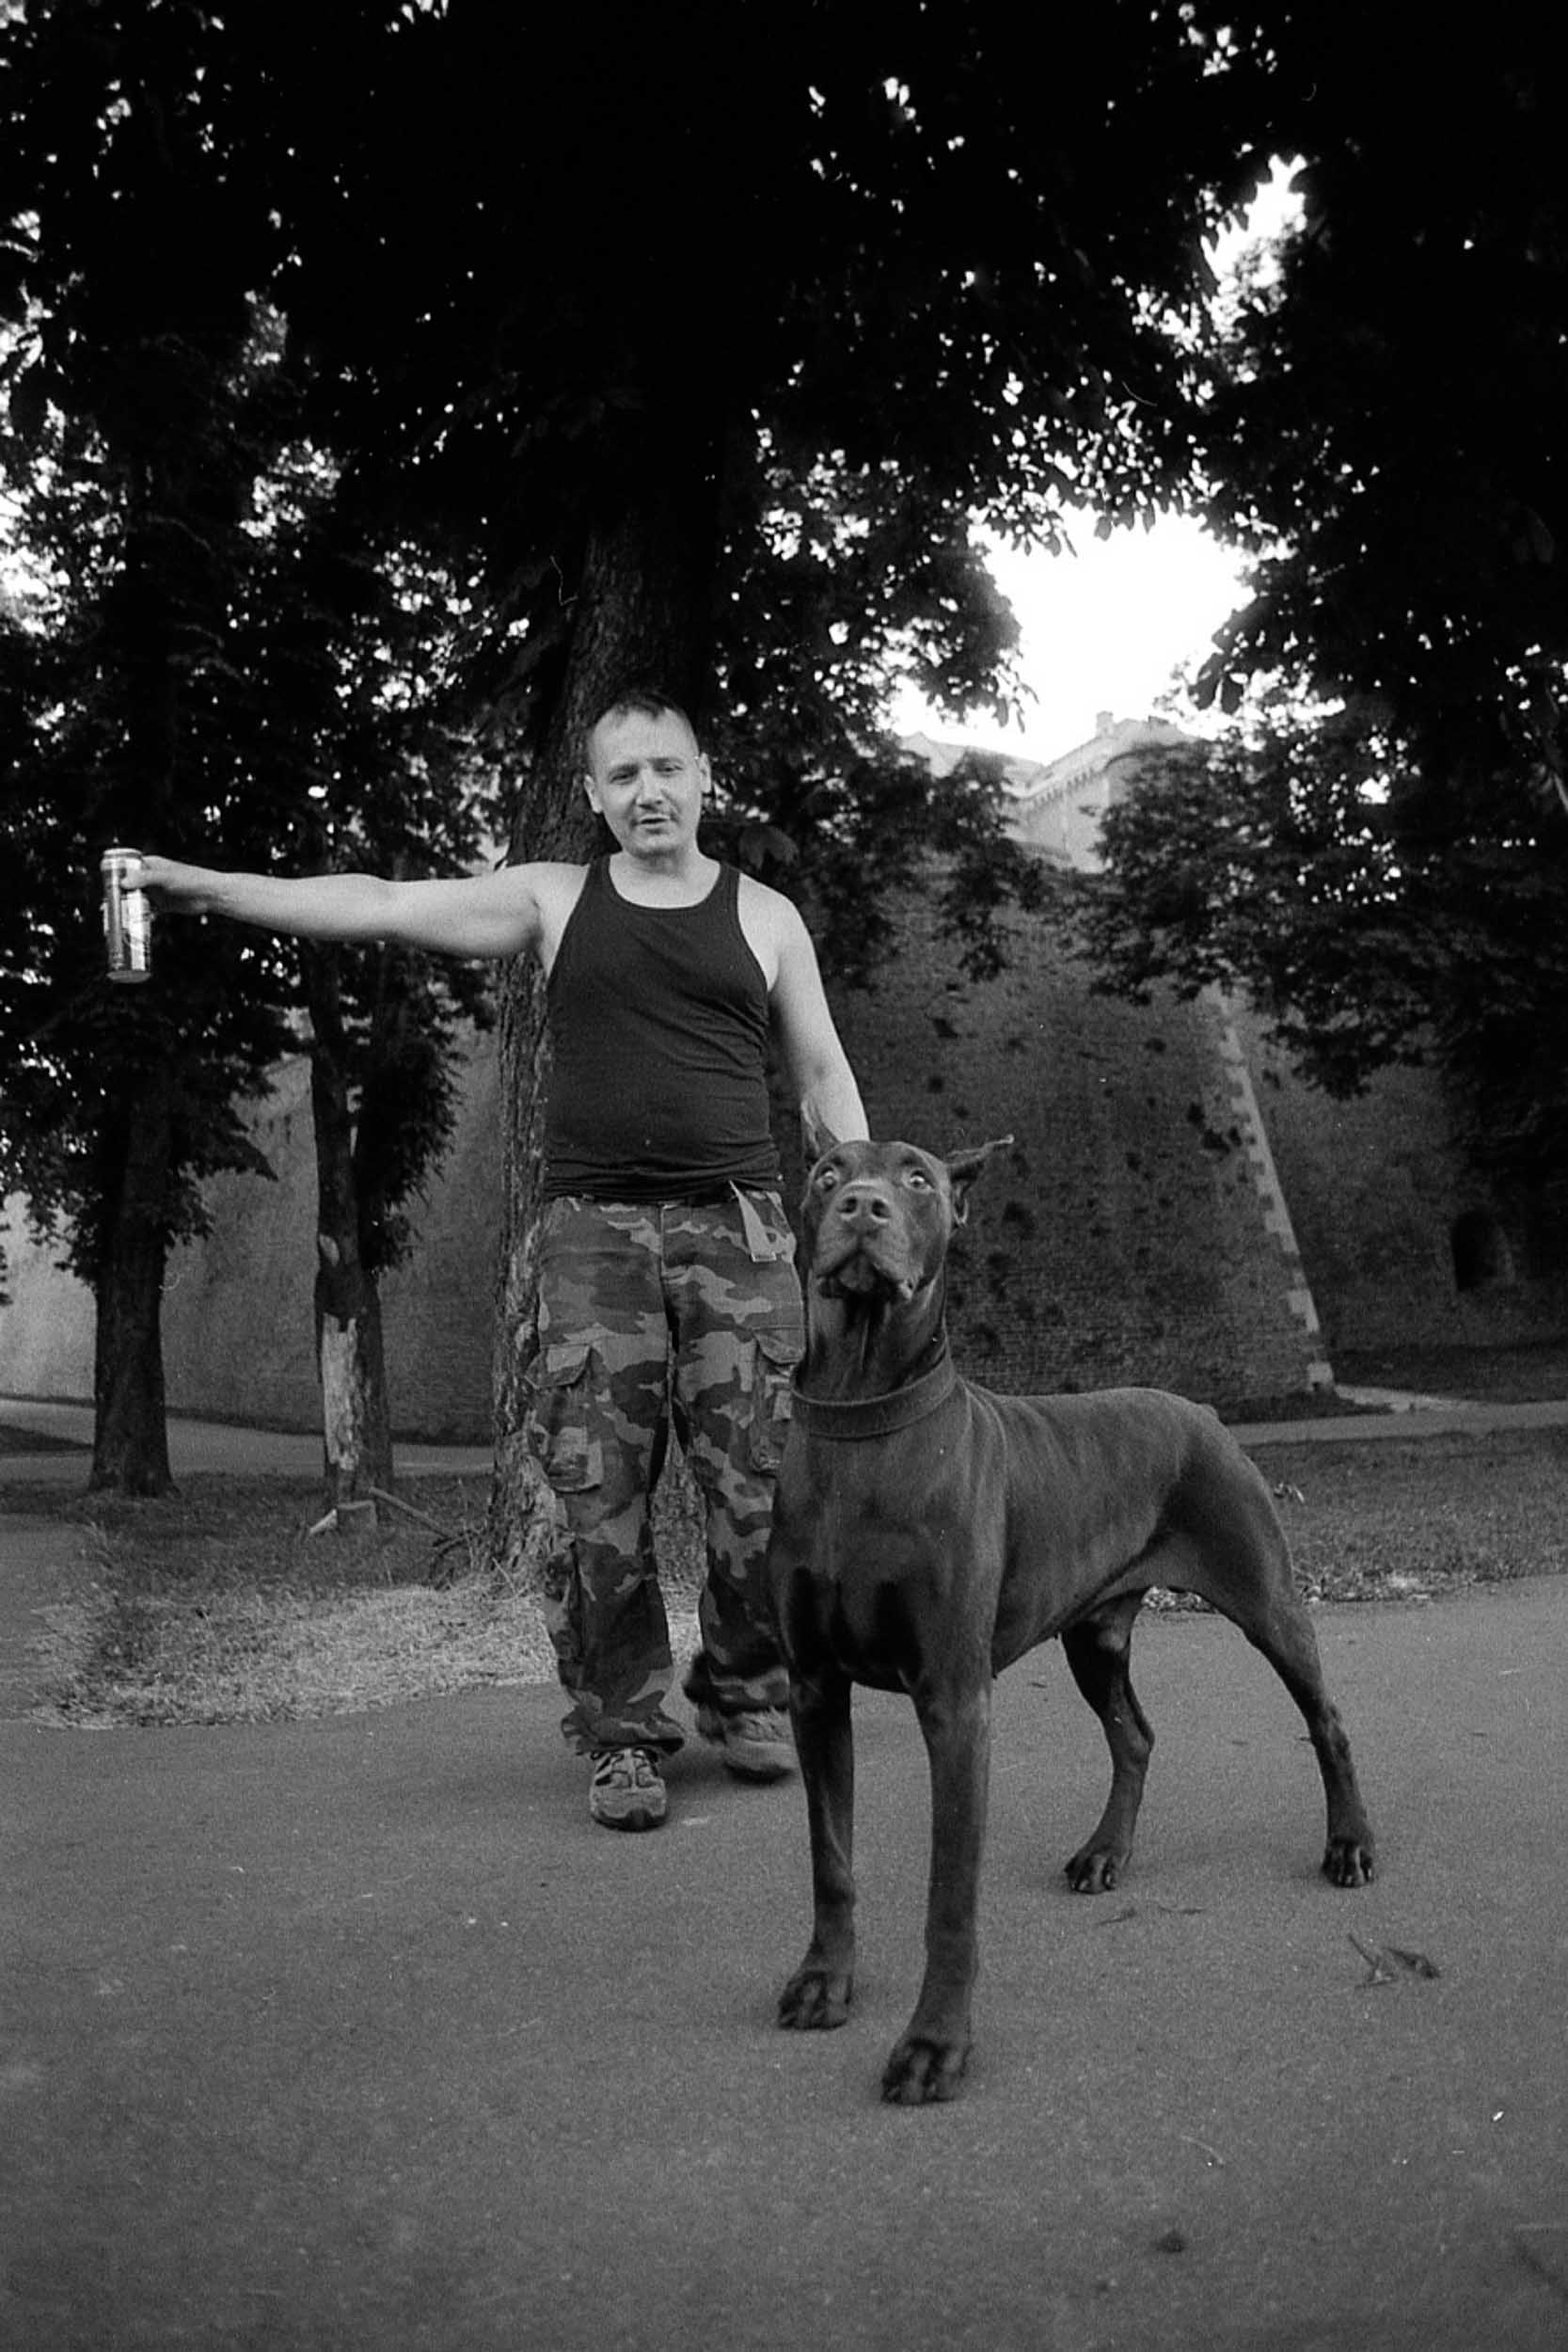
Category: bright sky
<point>1104,627</point>
<point>1102,630</point>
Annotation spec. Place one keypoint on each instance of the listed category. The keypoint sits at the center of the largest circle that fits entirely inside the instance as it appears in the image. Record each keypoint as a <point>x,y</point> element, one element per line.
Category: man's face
<point>646,778</point>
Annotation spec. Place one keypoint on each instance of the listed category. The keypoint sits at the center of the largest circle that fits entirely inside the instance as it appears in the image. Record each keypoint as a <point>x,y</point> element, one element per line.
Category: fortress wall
<point>1377,1187</point>
<point>1123,1239</point>
<point>239,1316</point>
<point>1140,1230</point>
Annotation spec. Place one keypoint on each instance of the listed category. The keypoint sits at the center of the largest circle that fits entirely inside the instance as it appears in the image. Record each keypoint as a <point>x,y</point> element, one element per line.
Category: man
<point>668,1290</point>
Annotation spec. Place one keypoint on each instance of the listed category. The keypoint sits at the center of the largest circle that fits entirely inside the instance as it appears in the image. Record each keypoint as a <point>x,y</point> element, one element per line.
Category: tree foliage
<point>853,282</point>
<point>304,729</point>
<point>1386,433</point>
<point>339,652</point>
<point>112,720</point>
<point>1282,864</point>
<point>1379,852</point>
<point>214,662</point>
<point>698,341</point>
<point>875,285</point>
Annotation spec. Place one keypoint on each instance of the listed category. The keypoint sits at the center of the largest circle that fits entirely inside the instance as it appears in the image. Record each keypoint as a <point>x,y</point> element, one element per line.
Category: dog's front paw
<point>1350,1862</point>
<point>817,1998</point>
<point>1094,1870</point>
<point>925,2068</point>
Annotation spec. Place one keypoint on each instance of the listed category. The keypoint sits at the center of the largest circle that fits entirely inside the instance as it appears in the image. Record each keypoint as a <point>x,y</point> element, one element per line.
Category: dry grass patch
<point>159,1656</point>
<point>217,1605</point>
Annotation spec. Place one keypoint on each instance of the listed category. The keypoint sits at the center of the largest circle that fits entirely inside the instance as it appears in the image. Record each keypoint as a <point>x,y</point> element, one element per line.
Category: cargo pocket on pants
<point>777,1355</point>
<point>562,1418</point>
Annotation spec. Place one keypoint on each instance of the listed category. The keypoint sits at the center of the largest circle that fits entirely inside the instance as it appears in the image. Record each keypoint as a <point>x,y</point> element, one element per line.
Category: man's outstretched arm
<point>478,916</point>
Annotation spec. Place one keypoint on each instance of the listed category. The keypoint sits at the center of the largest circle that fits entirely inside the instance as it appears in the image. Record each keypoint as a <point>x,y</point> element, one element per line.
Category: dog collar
<point>876,1416</point>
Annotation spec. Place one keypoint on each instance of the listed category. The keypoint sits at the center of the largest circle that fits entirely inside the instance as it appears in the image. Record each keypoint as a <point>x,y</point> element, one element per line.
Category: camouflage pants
<point>652,1316</point>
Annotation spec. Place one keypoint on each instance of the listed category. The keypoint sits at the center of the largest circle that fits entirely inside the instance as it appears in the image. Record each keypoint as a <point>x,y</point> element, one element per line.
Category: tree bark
<point>641,608</point>
<point>130,1454</point>
<point>356,1431</point>
<point>356,1414</point>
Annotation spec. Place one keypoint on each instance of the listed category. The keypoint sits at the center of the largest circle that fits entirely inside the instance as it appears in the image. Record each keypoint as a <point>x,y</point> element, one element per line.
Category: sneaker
<point>757,1745</point>
<point>627,1790</point>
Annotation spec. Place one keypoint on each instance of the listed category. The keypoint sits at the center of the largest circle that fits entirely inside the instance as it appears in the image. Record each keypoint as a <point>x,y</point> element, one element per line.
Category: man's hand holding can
<point>127,916</point>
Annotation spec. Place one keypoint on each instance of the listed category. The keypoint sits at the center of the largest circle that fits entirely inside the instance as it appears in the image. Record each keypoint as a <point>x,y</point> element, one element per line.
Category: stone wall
<point>1124,1237</point>
<point>239,1318</point>
<point>1383,1202</point>
<point>1173,1206</point>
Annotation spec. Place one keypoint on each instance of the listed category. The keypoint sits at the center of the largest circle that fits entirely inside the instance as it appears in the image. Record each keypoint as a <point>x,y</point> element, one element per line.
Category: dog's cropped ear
<point>963,1168</point>
<point>816,1137</point>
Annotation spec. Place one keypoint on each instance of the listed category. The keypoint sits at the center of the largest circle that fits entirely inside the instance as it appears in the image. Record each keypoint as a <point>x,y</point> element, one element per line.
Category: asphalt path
<point>356,2032</point>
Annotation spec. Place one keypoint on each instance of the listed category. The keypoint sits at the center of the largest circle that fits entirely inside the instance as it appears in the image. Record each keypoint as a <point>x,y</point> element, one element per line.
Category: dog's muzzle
<point>857,1272</point>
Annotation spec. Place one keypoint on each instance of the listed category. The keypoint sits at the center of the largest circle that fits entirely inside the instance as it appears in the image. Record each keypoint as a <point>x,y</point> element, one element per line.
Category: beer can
<point>127,916</point>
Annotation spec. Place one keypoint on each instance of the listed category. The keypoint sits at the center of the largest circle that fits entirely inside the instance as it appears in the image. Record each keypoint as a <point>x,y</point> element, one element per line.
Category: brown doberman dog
<point>927,1533</point>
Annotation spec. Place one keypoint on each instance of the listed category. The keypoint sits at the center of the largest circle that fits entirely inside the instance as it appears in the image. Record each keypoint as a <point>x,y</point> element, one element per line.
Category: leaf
<point>1540,545</point>
<point>763,845</point>
<point>1387,1963</point>
<point>29,403</point>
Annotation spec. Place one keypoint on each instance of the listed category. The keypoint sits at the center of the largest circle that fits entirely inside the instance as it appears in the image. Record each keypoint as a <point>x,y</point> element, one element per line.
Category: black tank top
<point>658,1021</point>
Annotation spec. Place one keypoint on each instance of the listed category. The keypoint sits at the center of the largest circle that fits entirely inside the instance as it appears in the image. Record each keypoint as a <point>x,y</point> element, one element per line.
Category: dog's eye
<point>827,1179</point>
<point>918,1177</point>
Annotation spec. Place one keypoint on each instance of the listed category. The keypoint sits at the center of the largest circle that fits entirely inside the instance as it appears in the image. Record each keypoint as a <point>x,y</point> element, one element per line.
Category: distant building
<point>1057,804</point>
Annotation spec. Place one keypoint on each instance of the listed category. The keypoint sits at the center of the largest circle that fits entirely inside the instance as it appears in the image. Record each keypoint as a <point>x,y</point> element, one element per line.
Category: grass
<point>218,1606</point>
<point>1527,1373</point>
<point>1413,1519</point>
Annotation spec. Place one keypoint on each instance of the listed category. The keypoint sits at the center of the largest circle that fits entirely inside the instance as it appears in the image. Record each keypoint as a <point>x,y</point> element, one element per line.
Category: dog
<point>926,1532</point>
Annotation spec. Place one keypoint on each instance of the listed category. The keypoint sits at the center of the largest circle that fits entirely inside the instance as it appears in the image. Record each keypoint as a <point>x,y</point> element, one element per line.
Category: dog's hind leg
<point>1236,1556</point>
<point>1097,1652</point>
<point>818,1994</point>
<point>1283,1631</point>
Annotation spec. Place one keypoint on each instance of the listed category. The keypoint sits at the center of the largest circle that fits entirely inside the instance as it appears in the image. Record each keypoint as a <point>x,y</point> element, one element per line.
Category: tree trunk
<point>641,608</point>
<point>356,1428</point>
<point>356,1417</point>
<point>129,1452</point>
